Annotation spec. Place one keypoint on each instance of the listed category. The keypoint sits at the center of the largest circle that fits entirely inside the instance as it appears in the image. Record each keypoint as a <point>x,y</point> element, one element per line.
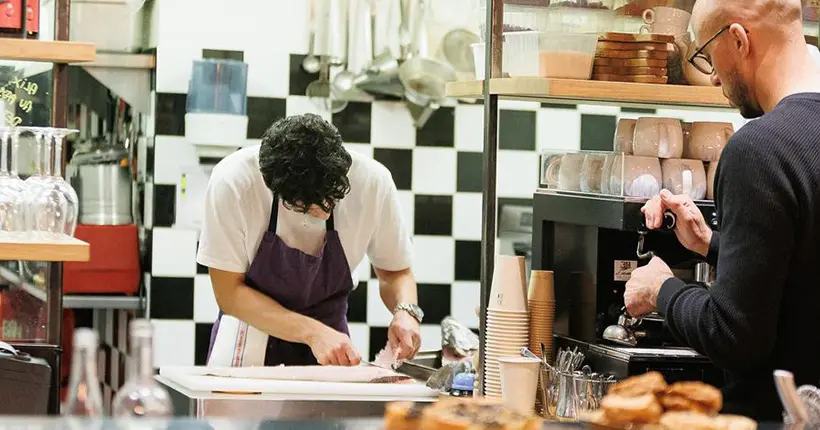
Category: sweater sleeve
<point>734,322</point>
<point>714,249</point>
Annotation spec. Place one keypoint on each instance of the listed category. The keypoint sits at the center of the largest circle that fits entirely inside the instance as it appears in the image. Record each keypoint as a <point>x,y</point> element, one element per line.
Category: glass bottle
<point>142,396</point>
<point>84,397</point>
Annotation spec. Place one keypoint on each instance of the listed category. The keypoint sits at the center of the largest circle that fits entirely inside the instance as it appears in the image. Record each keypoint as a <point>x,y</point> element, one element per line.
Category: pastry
<point>402,415</point>
<point>475,414</point>
<point>672,402</point>
<point>736,422</point>
<point>689,421</point>
<point>620,409</point>
<point>703,394</point>
<point>648,383</point>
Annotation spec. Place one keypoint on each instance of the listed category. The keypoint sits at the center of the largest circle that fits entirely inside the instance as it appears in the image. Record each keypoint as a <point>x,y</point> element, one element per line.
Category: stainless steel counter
<point>316,406</point>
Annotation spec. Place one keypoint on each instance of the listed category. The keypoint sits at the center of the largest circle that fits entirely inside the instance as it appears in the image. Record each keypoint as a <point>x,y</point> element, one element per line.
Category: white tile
<point>465,296</point>
<point>268,72</point>
<point>362,272</point>
<point>430,337</point>
<point>407,202</point>
<point>517,173</point>
<point>174,342</point>
<point>174,65</point>
<point>391,126</point>
<point>434,171</point>
<point>433,259</point>
<point>298,105</point>
<point>518,105</point>
<point>558,129</point>
<point>360,336</point>
<point>467,216</point>
<point>469,128</point>
<point>206,310</point>
<point>377,313</point>
<point>170,154</point>
<point>174,252</point>
<point>360,148</point>
<point>599,109</point>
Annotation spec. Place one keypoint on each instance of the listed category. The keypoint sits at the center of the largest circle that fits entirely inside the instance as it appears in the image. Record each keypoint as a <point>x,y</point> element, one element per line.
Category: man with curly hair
<point>285,225</point>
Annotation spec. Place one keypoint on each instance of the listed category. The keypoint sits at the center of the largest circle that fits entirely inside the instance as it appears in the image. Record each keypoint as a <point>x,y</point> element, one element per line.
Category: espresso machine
<point>592,244</point>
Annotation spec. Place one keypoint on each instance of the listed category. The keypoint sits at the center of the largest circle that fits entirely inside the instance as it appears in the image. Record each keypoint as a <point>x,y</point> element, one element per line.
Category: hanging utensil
<point>337,32</point>
<point>405,36</point>
<point>321,93</point>
<point>311,64</point>
<point>360,36</point>
<point>792,404</point>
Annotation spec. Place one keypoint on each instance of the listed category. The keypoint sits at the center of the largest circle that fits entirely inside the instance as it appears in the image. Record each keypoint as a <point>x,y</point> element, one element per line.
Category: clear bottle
<point>84,396</point>
<point>142,396</point>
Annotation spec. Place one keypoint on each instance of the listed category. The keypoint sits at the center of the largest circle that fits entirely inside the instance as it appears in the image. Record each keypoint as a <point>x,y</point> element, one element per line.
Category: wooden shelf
<point>63,249</point>
<point>566,90</point>
<point>47,51</point>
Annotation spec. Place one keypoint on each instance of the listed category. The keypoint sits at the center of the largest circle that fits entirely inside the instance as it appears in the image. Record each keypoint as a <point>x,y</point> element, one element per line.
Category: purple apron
<point>314,286</point>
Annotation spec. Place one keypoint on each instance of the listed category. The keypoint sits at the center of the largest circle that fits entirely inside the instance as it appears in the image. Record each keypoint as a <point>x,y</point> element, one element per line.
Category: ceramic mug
<point>682,176</point>
<point>707,140</point>
<point>665,20</point>
<point>564,172</point>
<point>658,137</point>
<point>591,172</point>
<point>710,179</point>
<point>639,176</point>
<point>624,134</point>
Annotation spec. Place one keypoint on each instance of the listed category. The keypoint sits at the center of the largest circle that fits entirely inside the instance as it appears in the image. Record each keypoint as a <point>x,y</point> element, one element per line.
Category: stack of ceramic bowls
<point>541,306</point>
<point>507,319</point>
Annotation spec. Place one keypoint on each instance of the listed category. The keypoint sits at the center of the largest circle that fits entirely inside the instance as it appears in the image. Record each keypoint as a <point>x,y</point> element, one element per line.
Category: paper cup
<point>519,381</point>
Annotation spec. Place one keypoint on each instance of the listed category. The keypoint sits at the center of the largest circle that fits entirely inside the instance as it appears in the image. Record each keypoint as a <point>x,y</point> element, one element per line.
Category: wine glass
<point>33,184</point>
<point>61,185</point>
<point>48,209</point>
<point>11,186</point>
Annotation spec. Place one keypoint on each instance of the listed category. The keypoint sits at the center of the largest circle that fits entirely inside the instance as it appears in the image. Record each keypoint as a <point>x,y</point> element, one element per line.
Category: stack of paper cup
<point>507,319</point>
<point>541,305</point>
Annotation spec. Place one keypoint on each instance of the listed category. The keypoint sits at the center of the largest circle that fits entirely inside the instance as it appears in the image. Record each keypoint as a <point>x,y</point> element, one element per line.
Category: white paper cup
<point>519,381</point>
<point>509,292</point>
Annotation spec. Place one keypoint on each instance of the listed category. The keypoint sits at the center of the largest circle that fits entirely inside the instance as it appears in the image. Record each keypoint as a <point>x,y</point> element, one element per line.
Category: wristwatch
<point>414,310</point>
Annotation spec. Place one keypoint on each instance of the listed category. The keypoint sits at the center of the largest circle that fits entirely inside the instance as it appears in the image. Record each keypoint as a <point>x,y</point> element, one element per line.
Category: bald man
<point>763,311</point>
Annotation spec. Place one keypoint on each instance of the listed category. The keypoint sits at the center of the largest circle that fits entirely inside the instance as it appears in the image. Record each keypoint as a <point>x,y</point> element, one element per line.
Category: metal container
<point>102,179</point>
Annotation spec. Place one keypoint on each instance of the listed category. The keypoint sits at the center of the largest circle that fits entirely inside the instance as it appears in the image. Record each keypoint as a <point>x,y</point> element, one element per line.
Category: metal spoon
<point>311,64</point>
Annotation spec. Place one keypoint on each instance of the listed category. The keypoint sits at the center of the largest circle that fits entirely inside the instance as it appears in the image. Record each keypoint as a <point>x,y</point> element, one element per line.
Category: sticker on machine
<point>623,269</point>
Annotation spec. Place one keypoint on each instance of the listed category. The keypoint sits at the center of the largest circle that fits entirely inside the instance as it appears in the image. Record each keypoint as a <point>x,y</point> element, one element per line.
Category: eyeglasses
<point>700,60</point>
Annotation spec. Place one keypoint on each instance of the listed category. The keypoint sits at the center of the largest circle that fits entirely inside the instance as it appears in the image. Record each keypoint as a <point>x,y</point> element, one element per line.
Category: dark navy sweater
<point>763,311</point>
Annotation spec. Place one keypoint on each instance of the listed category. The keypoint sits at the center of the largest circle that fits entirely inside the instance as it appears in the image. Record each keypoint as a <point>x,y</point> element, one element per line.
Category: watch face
<point>418,311</point>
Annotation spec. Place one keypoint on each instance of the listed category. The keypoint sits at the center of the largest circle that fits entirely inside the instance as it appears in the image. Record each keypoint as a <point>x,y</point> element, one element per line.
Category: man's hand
<point>691,229</point>
<point>331,347</point>
<point>641,295</point>
<point>403,335</point>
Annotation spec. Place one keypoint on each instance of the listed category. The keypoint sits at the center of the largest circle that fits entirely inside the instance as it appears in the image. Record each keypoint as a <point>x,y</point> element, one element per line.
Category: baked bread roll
<point>403,415</point>
<point>693,396</point>
<point>648,383</point>
<point>736,422</point>
<point>619,409</point>
<point>475,414</point>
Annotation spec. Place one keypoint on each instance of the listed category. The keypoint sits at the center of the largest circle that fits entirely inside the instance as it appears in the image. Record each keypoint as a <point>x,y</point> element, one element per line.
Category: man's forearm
<point>397,287</point>
<point>267,315</point>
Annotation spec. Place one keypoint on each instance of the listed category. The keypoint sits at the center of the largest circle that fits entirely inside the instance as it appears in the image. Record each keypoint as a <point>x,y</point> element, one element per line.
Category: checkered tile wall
<point>437,169</point>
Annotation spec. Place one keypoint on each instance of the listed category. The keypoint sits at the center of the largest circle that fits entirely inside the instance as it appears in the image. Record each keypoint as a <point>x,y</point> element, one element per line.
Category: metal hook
<point>641,254</point>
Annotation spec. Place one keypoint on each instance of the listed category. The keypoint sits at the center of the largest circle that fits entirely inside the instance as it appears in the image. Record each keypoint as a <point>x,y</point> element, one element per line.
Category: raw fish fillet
<point>361,374</point>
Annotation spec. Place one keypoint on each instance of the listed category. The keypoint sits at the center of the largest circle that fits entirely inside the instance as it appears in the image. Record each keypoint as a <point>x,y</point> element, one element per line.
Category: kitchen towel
<point>238,344</point>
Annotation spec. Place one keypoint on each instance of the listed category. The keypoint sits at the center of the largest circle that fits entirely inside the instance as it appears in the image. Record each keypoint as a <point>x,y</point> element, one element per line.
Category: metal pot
<point>102,179</point>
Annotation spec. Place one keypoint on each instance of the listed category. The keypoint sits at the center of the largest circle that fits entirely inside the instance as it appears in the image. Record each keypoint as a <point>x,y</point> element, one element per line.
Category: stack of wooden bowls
<point>629,57</point>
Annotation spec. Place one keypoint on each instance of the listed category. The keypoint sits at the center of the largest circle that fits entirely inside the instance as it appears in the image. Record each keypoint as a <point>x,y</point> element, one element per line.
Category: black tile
<point>400,164</point>
<point>299,79</point>
<point>434,299</point>
<point>468,260</point>
<point>200,269</point>
<point>262,113</point>
<point>165,202</point>
<point>354,122</point>
<point>357,304</point>
<point>172,298</point>
<point>433,215</point>
<point>470,172</point>
<point>559,106</point>
<point>202,341</point>
<point>378,339</point>
<point>148,246</point>
<point>516,130</point>
<point>149,159</point>
<point>170,114</point>
<point>597,132</point>
<point>639,110</point>
<point>439,130</point>
<point>219,54</point>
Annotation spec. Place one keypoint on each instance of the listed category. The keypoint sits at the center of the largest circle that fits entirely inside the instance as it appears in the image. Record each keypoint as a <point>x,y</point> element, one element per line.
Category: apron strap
<point>274,216</point>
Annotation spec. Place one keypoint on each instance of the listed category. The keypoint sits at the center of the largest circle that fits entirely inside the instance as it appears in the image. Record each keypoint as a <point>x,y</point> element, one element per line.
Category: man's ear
<point>740,39</point>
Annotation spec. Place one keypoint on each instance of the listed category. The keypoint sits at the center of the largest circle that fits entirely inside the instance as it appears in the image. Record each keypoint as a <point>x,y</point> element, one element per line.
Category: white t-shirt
<point>238,208</point>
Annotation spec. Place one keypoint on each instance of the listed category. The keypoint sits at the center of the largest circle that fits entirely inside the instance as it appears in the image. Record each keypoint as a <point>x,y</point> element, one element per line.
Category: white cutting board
<point>192,378</point>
